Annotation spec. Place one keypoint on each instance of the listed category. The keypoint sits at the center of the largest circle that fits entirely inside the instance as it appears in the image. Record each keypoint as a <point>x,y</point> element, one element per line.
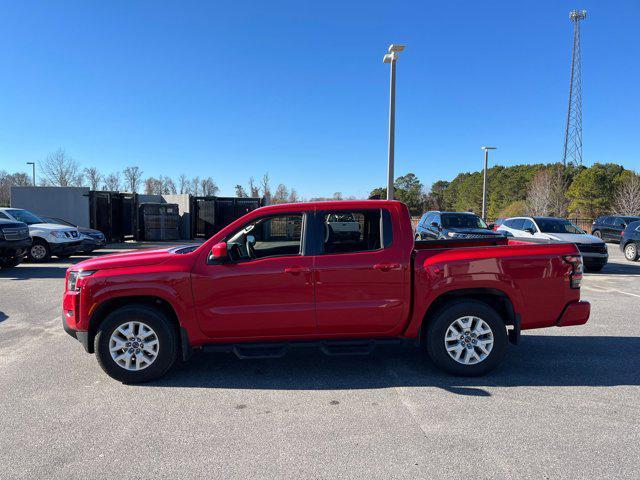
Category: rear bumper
<point>595,259</point>
<point>576,313</point>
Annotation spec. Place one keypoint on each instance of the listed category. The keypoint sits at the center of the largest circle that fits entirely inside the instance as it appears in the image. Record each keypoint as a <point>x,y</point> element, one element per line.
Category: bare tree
<point>627,197</point>
<point>8,180</point>
<point>112,182</point>
<point>168,187</point>
<point>254,191</point>
<point>195,186</point>
<point>540,193</point>
<point>559,204</point>
<point>132,178</point>
<point>94,177</point>
<point>60,170</point>
<point>240,192</point>
<point>337,196</point>
<point>293,196</point>
<point>152,186</point>
<point>208,187</point>
<point>183,183</point>
<point>266,189</point>
<point>281,195</point>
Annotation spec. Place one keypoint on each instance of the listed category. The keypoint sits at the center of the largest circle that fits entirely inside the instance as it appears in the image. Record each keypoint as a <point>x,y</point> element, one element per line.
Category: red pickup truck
<point>282,276</point>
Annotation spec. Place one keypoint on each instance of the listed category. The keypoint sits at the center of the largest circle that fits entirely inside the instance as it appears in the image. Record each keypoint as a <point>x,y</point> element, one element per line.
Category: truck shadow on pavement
<point>540,360</point>
<point>630,268</point>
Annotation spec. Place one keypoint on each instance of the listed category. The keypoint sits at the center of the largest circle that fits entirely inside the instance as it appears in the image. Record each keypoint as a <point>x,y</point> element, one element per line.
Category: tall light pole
<point>33,164</point>
<point>391,58</point>
<point>484,181</point>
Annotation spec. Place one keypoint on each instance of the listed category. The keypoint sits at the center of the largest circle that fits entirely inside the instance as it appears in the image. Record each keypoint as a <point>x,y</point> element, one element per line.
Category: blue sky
<point>298,89</point>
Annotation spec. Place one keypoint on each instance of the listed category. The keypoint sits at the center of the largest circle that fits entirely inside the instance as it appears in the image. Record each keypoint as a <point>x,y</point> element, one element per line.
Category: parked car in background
<point>630,242</point>
<point>610,228</point>
<point>445,225</point>
<point>14,241</point>
<point>48,238</point>
<point>91,239</point>
<point>593,249</point>
<point>271,280</point>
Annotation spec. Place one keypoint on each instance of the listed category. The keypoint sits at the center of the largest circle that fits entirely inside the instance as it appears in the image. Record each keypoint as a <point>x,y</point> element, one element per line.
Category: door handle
<point>297,270</point>
<point>385,267</point>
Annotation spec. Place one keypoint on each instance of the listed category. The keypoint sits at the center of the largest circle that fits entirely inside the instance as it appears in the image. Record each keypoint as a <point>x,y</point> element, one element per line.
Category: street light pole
<point>391,58</point>
<point>484,181</point>
<point>33,165</point>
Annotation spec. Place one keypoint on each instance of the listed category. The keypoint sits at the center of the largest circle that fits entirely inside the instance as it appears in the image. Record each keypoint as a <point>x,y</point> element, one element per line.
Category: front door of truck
<point>266,287</point>
<point>361,280</point>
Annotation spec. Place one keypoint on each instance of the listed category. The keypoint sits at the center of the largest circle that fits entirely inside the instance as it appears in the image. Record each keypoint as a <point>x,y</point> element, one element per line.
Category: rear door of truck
<point>362,285</point>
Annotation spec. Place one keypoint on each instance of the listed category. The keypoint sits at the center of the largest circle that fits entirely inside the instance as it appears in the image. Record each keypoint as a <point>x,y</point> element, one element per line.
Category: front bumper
<point>81,336</point>
<point>576,313</point>
<point>15,244</point>
<point>66,248</point>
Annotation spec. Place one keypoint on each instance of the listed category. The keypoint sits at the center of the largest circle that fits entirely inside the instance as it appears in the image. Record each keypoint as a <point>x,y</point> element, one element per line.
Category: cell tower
<point>573,133</point>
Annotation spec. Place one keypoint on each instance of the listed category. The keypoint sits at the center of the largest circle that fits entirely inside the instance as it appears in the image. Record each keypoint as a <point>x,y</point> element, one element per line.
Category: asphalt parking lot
<point>565,403</point>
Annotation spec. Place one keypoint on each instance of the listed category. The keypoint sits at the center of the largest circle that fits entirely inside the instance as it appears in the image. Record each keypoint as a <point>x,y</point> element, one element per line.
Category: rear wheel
<point>598,234</point>
<point>466,338</point>
<point>631,252</point>
<point>39,251</point>
<point>136,344</point>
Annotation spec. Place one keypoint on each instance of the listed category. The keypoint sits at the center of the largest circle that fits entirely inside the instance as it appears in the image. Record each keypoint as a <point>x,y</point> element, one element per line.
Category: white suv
<point>593,249</point>
<point>48,238</point>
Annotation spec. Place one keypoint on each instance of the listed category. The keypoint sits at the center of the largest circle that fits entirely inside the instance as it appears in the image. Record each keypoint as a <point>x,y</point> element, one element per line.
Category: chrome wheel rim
<point>469,340</point>
<point>38,252</point>
<point>630,251</point>
<point>134,346</point>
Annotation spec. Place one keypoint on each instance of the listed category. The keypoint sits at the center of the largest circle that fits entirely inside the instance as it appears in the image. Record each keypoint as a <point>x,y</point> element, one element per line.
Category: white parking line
<point>627,293</point>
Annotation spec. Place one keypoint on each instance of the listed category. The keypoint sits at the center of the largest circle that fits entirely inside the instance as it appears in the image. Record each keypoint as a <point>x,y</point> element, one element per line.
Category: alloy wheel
<point>134,346</point>
<point>631,252</point>
<point>38,252</point>
<point>469,340</point>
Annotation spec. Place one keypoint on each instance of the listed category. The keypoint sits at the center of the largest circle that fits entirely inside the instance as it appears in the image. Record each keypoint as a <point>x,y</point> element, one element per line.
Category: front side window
<point>277,235</point>
<point>529,224</point>
<point>517,223</point>
<point>557,225</point>
<point>349,232</point>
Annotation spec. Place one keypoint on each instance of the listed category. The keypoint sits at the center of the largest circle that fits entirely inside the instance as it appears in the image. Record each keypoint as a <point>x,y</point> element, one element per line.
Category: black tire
<point>445,317</point>
<point>593,268</point>
<point>165,333</point>
<point>632,252</point>
<point>63,257</point>
<point>35,252</point>
<point>10,262</point>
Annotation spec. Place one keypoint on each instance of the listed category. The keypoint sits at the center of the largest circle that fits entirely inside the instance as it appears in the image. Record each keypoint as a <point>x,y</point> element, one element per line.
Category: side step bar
<point>279,349</point>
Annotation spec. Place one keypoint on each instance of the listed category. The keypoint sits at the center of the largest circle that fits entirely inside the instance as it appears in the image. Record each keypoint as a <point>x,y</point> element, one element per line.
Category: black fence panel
<point>115,214</point>
<point>210,214</point>
<point>159,221</point>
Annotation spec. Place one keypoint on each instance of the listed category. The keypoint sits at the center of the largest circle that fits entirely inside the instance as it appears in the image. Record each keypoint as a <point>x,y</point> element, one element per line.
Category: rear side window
<point>360,231</point>
<point>607,221</point>
<point>529,224</point>
<point>6,217</point>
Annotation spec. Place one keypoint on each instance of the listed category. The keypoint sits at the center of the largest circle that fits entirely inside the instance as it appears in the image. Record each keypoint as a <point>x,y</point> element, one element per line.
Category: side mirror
<point>491,226</point>
<point>529,230</point>
<point>434,224</point>
<point>219,252</point>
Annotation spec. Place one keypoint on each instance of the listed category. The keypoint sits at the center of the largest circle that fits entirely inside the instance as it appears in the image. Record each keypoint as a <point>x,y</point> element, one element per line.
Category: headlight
<point>57,234</point>
<point>72,279</point>
<point>455,234</point>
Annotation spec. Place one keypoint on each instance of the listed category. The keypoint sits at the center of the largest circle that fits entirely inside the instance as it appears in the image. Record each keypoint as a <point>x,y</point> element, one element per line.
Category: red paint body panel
<point>382,293</point>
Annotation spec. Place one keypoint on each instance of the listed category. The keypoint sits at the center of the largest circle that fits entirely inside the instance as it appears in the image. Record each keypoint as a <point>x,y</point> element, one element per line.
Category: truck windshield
<point>25,216</point>
<point>557,225</point>
<point>462,220</point>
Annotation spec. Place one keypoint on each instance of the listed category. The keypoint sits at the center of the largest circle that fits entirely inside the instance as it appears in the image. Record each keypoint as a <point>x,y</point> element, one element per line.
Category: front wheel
<point>136,344</point>
<point>466,338</point>
<point>10,262</point>
<point>598,233</point>
<point>39,251</point>
<point>631,252</point>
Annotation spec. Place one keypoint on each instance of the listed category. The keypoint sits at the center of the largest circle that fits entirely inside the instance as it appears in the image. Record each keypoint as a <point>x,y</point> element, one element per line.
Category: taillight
<point>575,275</point>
